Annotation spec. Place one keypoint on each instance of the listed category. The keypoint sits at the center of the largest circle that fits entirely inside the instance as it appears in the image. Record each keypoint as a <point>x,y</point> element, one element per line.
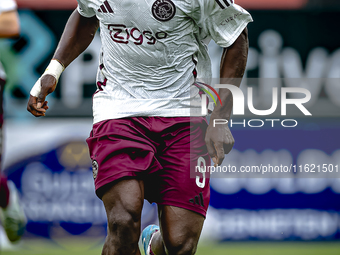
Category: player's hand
<point>37,105</point>
<point>219,141</point>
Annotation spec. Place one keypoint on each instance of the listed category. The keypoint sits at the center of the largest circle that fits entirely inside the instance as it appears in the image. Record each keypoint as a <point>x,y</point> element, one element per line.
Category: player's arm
<point>77,36</point>
<point>9,24</point>
<point>219,139</point>
<point>233,66</point>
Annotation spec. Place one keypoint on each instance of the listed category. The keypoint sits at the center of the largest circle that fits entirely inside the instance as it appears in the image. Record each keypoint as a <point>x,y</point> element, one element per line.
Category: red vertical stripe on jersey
<point>108,7</point>
<point>103,8</point>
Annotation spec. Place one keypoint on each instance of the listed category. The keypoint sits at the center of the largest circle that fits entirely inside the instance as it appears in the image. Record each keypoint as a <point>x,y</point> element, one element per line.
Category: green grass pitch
<point>93,247</point>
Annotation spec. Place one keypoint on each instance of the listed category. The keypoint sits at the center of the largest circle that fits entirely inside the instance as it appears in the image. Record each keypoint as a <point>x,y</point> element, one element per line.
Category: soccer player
<point>149,132</point>
<point>11,213</point>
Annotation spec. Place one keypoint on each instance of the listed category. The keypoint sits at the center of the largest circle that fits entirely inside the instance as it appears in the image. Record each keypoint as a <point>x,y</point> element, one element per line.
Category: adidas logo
<point>198,200</point>
<point>224,3</point>
<point>105,8</point>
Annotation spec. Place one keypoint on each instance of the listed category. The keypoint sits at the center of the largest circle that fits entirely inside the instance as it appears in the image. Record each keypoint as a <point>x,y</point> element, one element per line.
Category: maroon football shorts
<point>166,153</point>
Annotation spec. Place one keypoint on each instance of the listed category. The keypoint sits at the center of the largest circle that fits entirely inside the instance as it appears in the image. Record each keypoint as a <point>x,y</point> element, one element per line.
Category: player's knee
<point>181,246</point>
<point>123,232</point>
<point>123,221</point>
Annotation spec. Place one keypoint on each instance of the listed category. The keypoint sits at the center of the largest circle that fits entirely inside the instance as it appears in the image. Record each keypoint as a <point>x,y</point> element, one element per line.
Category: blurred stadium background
<point>48,160</point>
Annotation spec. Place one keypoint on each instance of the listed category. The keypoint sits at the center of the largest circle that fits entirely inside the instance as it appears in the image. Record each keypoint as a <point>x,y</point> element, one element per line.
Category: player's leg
<point>184,193</point>
<point>180,231</point>
<point>123,204</point>
<point>11,212</point>
<point>121,153</point>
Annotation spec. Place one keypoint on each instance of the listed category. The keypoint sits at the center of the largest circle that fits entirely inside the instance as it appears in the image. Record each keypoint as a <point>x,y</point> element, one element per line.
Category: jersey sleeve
<point>7,5</point>
<point>222,20</point>
<point>84,9</point>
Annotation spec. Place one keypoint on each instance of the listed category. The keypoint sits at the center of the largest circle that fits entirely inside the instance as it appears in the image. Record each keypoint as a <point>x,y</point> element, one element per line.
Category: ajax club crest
<point>163,10</point>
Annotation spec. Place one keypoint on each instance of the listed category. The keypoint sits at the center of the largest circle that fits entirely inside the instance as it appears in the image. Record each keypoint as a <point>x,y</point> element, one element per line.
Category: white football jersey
<point>5,6</point>
<point>153,50</point>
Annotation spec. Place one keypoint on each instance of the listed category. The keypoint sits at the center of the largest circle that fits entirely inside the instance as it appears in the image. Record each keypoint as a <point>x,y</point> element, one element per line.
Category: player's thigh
<point>181,229</point>
<point>181,182</point>
<point>123,204</point>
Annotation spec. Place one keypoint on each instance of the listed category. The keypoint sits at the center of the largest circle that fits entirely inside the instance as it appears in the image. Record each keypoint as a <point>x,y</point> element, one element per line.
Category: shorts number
<point>201,163</point>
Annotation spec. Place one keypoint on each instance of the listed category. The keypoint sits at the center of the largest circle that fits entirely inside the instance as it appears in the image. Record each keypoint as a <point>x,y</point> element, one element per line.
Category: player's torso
<point>148,49</point>
<point>151,32</point>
